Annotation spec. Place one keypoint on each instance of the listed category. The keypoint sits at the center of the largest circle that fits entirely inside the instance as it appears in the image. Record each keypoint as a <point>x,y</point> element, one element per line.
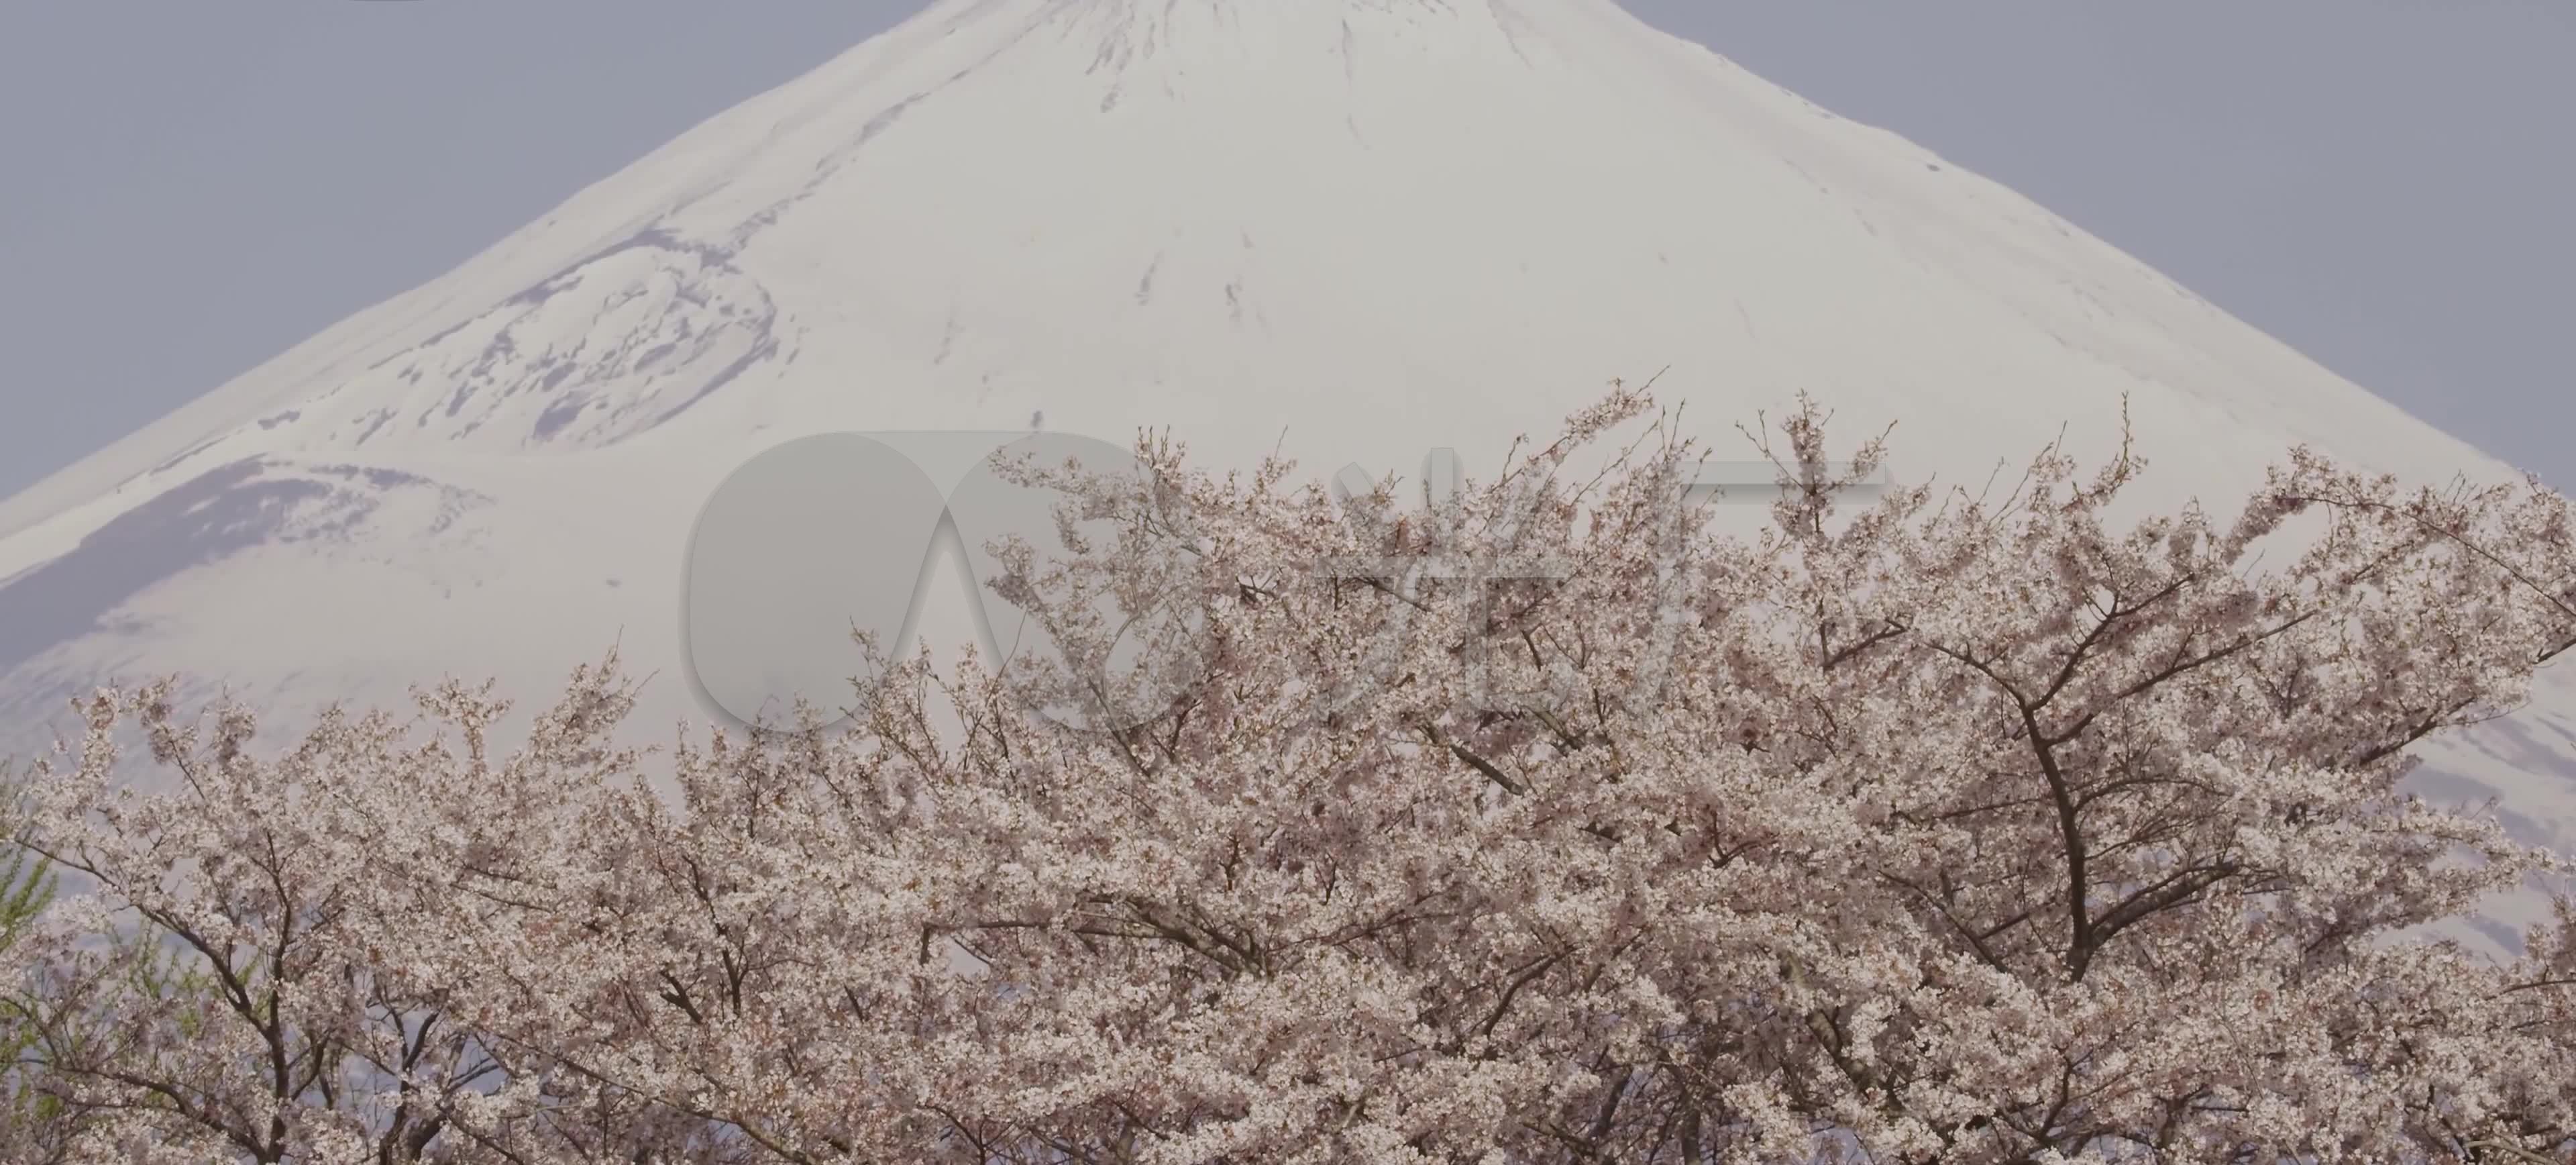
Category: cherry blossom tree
<point>1550,824</point>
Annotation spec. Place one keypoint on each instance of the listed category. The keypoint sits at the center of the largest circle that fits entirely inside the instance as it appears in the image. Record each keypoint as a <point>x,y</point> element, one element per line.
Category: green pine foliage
<point>28,884</point>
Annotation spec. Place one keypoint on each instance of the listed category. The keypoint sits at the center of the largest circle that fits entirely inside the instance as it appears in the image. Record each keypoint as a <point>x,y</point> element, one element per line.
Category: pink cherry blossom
<point>1943,829</point>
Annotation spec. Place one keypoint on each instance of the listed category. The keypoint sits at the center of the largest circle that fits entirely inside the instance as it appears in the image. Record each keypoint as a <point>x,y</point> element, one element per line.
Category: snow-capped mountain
<point>1349,230</point>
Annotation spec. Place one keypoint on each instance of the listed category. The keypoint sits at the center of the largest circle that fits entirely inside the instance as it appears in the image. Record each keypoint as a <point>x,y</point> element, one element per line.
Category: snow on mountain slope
<point>1348,229</point>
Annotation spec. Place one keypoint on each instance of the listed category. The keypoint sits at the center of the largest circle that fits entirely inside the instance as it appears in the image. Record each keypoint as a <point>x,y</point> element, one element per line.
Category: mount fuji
<point>1346,230</point>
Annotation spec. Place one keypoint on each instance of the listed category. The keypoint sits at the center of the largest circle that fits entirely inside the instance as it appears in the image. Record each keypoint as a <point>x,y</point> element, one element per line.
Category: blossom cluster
<point>1949,828</point>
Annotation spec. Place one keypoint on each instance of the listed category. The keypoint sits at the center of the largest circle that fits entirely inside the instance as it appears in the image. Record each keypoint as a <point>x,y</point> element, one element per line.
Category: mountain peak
<point>1347,219</point>
<point>1349,231</point>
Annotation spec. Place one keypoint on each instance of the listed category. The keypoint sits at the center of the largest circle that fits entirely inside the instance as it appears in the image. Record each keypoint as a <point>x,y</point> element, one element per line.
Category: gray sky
<point>190,188</point>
